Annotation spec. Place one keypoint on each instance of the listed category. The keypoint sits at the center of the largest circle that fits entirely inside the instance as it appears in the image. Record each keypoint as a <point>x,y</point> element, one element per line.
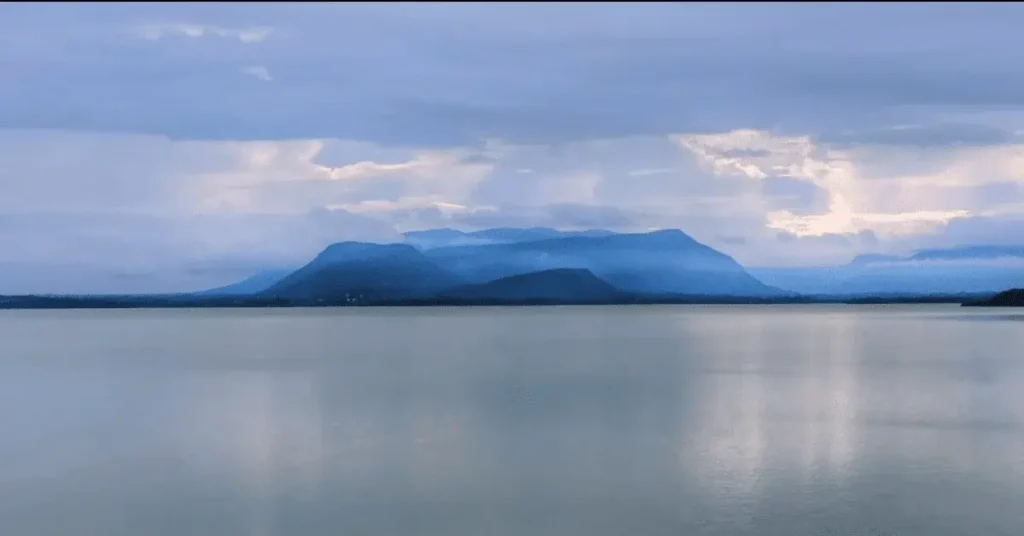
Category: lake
<point>598,421</point>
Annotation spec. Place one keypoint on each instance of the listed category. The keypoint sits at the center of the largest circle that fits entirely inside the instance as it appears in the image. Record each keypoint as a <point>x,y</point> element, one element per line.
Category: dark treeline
<point>140,302</point>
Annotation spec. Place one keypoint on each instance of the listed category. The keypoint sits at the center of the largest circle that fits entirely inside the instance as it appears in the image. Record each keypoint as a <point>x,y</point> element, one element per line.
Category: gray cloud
<point>93,253</point>
<point>796,196</point>
<point>843,242</point>
<point>929,136</point>
<point>521,73</point>
<point>979,230</point>
<point>477,115</point>
<point>998,192</point>
<point>561,215</point>
<point>732,240</point>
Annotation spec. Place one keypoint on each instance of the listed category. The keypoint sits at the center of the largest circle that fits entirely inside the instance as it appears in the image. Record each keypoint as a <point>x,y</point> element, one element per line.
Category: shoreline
<point>138,302</point>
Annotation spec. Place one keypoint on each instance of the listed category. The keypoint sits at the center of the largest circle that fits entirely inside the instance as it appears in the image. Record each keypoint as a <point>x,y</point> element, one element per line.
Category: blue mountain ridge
<point>565,285</point>
<point>666,262</point>
<point>254,284</point>
<point>967,269</point>
<point>537,263</point>
<point>434,238</point>
<point>355,270</point>
<point>658,262</point>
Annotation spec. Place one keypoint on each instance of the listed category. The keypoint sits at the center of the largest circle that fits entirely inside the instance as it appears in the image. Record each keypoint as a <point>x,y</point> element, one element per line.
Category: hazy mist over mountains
<point>425,263</point>
<point>537,263</point>
<point>206,143</point>
<point>665,262</point>
<point>974,269</point>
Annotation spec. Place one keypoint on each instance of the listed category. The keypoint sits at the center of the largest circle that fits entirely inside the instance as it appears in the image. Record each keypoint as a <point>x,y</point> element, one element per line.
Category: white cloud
<point>573,187</point>
<point>110,252</point>
<point>155,32</point>
<point>1003,210</point>
<point>405,203</point>
<point>566,140</point>
<point>840,220</point>
<point>415,213</point>
<point>135,212</point>
<point>259,72</point>
<point>156,175</point>
<point>648,172</point>
<point>369,170</point>
<point>855,199</point>
<point>83,194</point>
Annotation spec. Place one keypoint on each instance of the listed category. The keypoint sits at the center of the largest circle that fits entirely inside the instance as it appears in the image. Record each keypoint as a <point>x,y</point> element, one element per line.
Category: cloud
<point>116,174</point>
<point>1004,229</point>
<point>797,196</point>
<point>151,205</point>
<point>566,216</point>
<point>853,198</point>
<point>131,252</point>
<point>424,165</point>
<point>451,75</point>
<point>406,204</point>
<point>647,172</point>
<point>769,183</point>
<point>732,240</point>
<point>756,154</point>
<point>841,220</point>
<point>258,72</point>
<point>155,32</point>
<point>802,143</point>
<point>940,134</point>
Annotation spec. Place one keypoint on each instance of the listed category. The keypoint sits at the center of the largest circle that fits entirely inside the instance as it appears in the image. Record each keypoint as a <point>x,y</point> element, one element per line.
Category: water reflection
<point>262,431</point>
<point>512,421</point>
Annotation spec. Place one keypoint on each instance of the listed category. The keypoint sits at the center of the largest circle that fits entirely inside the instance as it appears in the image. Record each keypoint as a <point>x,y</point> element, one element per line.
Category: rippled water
<point>631,421</point>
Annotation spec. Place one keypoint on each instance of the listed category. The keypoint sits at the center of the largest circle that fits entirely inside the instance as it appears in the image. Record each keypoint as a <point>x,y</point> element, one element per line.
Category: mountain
<point>438,237</point>
<point>666,261</point>
<point>435,238</point>
<point>252,285</point>
<point>1007,298</point>
<point>561,285</point>
<point>360,272</point>
<point>974,269</point>
<point>969,253</point>
<point>655,263</point>
<point>871,258</point>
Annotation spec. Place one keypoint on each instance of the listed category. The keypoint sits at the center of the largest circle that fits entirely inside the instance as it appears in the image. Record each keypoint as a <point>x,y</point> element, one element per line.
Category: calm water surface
<point>629,421</point>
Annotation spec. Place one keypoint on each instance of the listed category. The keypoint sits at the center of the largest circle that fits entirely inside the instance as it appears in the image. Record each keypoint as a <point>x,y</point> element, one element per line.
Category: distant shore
<point>165,302</point>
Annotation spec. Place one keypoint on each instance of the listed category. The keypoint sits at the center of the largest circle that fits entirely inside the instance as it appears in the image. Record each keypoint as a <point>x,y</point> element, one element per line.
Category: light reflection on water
<point>601,421</point>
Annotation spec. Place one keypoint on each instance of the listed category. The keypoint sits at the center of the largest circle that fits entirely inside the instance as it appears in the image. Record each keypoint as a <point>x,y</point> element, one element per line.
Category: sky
<point>166,147</point>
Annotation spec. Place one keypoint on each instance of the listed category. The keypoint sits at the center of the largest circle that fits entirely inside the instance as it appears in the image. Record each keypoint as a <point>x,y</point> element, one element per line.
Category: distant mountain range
<point>660,262</point>
<point>973,269</point>
<point>536,264</point>
<point>435,238</point>
<point>667,263</point>
<point>250,286</point>
<point>559,285</point>
<point>366,272</point>
<point>547,266</point>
